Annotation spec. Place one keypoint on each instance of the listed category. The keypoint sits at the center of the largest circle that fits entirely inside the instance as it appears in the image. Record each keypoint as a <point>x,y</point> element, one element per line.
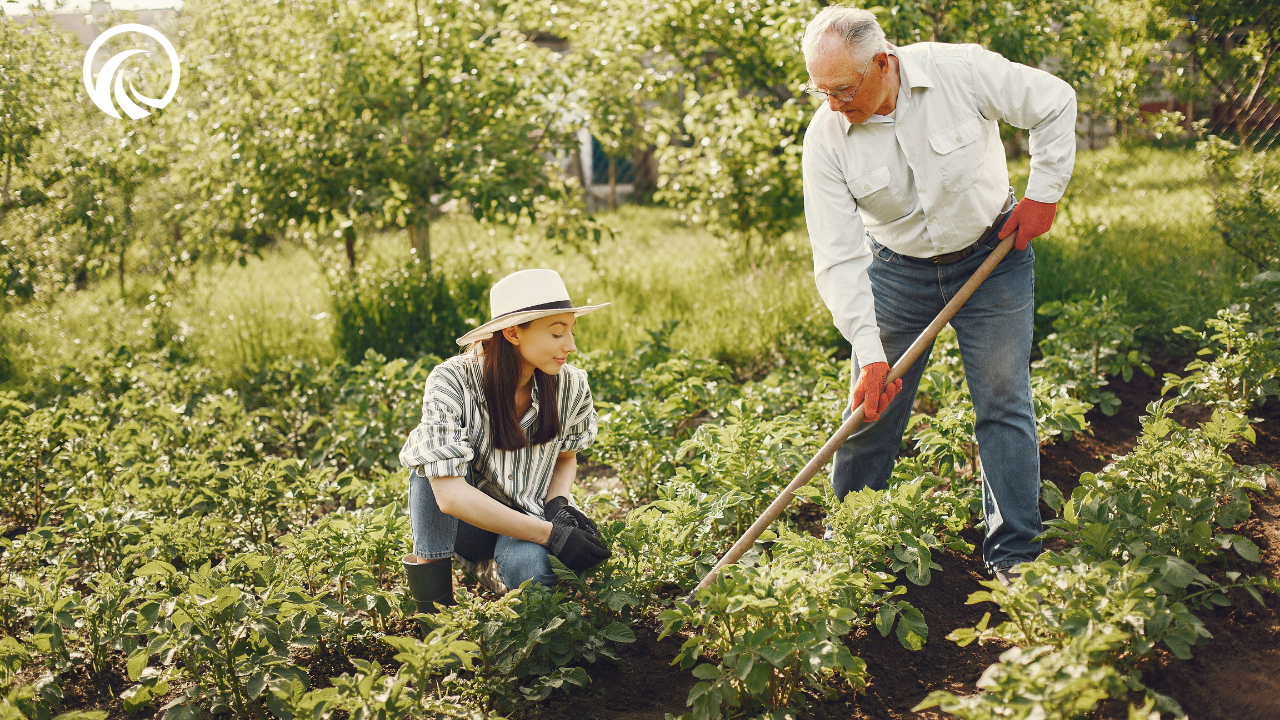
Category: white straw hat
<point>523,296</point>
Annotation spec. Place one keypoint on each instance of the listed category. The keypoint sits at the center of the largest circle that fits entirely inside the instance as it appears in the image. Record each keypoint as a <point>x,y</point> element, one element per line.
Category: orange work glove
<point>1031,219</point>
<point>872,392</point>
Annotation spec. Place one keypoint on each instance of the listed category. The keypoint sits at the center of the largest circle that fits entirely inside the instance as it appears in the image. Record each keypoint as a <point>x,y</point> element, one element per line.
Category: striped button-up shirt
<point>929,179</point>
<point>455,432</point>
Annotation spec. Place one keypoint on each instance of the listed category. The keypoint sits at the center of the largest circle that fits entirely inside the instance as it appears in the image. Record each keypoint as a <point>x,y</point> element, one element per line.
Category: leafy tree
<point>36,60</point>
<point>731,156</point>
<point>616,76</point>
<point>321,114</point>
<point>1231,56</point>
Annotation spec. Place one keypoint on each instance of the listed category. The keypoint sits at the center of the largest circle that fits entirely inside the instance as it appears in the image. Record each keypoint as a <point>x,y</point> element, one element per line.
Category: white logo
<point>101,92</point>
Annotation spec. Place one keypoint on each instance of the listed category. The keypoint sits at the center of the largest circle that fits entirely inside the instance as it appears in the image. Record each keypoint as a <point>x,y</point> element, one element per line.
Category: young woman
<point>496,452</point>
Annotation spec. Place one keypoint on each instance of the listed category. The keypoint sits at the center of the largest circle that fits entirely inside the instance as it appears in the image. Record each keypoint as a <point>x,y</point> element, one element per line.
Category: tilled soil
<point>1235,676</point>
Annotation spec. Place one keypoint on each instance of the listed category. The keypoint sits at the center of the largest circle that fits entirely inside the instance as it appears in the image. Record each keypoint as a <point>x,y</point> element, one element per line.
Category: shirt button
<point>911,159</point>
<point>958,139</point>
<point>510,477</point>
<point>866,187</point>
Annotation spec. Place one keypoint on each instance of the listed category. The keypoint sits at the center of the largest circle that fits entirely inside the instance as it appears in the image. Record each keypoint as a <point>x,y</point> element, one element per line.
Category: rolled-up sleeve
<point>840,252</point>
<point>438,446</point>
<point>1036,101</point>
<point>583,425</point>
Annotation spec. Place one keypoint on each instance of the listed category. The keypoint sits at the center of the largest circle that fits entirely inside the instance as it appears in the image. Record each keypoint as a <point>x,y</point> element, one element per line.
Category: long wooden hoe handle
<point>780,503</point>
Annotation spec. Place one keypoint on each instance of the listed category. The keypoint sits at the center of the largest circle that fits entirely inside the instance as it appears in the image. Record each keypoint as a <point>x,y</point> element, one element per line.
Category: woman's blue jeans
<point>437,535</point>
<point>994,329</point>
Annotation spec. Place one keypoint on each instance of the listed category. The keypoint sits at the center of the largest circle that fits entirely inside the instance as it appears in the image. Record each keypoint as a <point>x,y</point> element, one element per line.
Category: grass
<point>653,270</point>
<point>233,319</point>
<point>1134,223</point>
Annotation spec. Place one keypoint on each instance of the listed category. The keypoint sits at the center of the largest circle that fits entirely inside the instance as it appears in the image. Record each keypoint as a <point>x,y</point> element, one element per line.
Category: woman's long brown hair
<point>500,376</point>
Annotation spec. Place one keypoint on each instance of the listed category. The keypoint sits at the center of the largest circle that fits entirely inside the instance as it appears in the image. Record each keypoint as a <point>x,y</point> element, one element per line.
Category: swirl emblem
<point>100,92</point>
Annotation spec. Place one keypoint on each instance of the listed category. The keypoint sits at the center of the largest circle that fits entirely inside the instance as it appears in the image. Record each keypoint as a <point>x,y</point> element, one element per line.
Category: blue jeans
<point>994,330</point>
<point>437,535</point>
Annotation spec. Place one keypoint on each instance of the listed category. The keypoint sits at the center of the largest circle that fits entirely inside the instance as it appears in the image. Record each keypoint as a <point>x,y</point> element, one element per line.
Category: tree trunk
<point>124,235</point>
<point>613,183</point>
<point>349,238</point>
<point>4,197</point>
<point>420,239</point>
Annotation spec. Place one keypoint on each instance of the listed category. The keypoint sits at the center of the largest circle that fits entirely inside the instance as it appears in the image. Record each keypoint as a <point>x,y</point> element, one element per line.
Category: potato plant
<point>1081,618</point>
<point>1091,341</point>
<point>1240,368</point>
<point>775,632</point>
<point>1172,495</point>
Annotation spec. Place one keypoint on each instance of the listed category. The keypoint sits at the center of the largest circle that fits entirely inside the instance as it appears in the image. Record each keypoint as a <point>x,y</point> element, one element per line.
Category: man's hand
<point>1031,219</point>
<point>872,391</point>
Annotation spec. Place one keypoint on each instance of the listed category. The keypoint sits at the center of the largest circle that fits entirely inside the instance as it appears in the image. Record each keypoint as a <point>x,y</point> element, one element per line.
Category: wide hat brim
<point>486,331</point>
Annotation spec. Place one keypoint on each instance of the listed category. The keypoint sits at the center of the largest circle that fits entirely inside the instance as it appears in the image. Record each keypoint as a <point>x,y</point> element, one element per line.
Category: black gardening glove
<point>558,511</point>
<point>575,548</point>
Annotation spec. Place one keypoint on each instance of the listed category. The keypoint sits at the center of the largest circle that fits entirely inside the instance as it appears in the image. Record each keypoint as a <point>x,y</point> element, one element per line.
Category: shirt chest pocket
<point>961,151</point>
<point>870,182</point>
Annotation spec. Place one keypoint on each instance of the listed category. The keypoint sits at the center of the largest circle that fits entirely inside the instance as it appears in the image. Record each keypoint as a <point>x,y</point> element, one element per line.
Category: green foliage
<point>1246,209</point>
<point>1037,682</point>
<point>226,629</point>
<point>1167,496</point>
<point>755,457</point>
<point>405,311</point>
<point>894,530</point>
<point>374,409</point>
<point>1091,341</point>
<point>674,540</point>
<point>525,644</point>
<point>1242,371</point>
<point>642,435</point>
<point>1226,55</point>
<point>1061,600</point>
<point>774,632</point>
<point>414,106</point>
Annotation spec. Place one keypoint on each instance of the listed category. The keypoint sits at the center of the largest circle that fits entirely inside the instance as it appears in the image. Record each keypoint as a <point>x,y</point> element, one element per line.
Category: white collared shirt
<point>930,178</point>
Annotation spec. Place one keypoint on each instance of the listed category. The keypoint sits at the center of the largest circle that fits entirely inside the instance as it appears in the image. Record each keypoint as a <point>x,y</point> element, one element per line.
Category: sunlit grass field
<point>1136,222</point>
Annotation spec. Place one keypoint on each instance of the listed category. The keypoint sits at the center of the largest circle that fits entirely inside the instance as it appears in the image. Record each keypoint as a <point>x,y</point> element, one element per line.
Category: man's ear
<point>881,59</point>
<point>512,334</point>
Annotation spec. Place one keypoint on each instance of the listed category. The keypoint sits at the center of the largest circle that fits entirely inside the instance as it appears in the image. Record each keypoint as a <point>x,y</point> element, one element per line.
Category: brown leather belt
<point>958,255</point>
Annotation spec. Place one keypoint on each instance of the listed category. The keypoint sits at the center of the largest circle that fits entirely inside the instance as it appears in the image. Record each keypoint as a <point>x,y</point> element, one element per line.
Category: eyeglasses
<point>842,97</point>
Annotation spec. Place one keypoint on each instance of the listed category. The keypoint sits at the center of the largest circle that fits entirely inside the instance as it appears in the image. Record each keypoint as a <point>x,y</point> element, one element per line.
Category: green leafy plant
<point>229,642</point>
<point>761,637</point>
<point>526,644</point>
<point>1037,683</point>
<point>1166,496</point>
<point>1091,342</point>
<point>1243,368</point>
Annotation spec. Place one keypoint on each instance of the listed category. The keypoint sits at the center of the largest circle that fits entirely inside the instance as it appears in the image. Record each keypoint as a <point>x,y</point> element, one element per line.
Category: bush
<point>405,311</point>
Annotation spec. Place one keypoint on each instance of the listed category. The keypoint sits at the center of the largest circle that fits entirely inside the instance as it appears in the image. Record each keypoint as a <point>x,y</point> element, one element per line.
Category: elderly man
<point>906,193</point>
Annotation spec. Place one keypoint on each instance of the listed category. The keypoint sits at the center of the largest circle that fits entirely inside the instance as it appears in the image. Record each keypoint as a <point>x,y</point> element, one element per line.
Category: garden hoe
<point>780,503</point>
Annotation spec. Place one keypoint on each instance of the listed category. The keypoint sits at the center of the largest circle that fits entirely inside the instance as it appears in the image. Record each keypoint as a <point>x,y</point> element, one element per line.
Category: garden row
<point>200,541</point>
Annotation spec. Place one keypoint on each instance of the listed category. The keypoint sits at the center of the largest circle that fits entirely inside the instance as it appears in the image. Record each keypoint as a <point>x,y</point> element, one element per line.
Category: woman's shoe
<point>430,584</point>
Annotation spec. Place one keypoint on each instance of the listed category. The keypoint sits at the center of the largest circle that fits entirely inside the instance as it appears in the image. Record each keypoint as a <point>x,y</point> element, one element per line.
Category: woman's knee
<point>521,560</point>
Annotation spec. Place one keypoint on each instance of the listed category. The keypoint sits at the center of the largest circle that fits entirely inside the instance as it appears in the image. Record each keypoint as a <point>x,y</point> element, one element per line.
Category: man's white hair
<point>856,28</point>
